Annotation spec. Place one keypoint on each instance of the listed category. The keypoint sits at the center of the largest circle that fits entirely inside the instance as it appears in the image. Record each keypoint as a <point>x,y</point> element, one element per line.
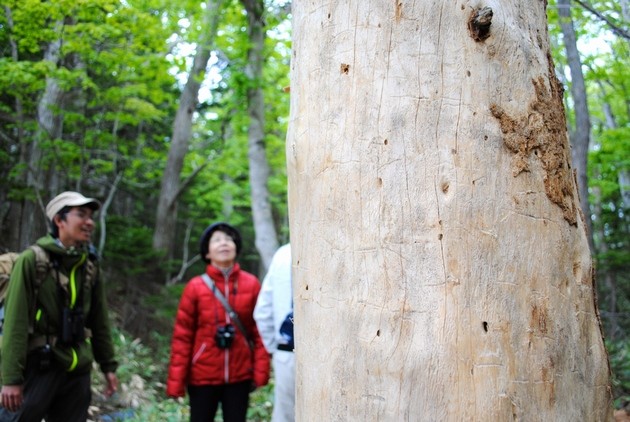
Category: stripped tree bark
<point>441,268</point>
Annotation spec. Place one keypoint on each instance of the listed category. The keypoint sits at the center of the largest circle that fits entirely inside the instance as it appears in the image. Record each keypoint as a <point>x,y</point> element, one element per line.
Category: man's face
<point>77,227</point>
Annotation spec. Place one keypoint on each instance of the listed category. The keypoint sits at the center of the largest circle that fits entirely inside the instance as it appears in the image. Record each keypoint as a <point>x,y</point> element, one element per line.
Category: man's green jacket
<point>33,313</point>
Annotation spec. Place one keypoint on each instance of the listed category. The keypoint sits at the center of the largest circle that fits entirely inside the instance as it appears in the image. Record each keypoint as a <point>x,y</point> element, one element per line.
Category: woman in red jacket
<point>211,357</point>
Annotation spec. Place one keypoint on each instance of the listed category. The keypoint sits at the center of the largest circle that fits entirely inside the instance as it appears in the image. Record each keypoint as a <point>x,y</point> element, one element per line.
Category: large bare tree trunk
<point>581,135</point>
<point>166,218</point>
<point>441,267</point>
<point>266,237</point>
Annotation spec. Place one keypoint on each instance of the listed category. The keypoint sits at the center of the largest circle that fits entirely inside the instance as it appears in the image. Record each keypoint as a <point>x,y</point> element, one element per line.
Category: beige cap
<point>69,199</point>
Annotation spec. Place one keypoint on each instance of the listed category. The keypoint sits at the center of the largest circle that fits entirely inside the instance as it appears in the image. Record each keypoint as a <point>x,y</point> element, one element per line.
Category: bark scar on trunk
<point>398,10</point>
<point>541,131</point>
<point>479,23</point>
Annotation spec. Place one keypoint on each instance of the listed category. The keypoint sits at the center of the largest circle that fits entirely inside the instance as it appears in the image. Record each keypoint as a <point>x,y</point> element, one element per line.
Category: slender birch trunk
<point>171,187</point>
<point>581,136</point>
<point>266,237</point>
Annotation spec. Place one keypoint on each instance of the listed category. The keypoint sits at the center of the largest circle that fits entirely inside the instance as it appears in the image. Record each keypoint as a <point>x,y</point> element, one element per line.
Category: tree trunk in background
<point>624,185</point>
<point>102,214</point>
<point>41,177</point>
<point>605,272</point>
<point>11,211</point>
<point>581,135</point>
<point>441,268</point>
<point>166,218</point>
<point>266,236</point>
<point>609,277</point>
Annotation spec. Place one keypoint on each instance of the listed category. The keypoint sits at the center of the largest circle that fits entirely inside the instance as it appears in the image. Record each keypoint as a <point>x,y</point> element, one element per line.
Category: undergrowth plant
<point>619,355</point>
<point>141,397</point>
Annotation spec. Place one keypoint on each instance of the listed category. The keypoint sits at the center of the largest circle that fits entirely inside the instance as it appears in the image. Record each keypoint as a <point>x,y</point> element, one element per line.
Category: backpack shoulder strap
<point>91,270</point>
<point>7,260</point>
<point>43,263</point>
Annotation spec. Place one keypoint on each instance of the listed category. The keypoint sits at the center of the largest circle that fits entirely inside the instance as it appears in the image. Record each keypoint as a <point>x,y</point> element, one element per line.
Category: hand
<point>112,384</point>
<point>11,397</point>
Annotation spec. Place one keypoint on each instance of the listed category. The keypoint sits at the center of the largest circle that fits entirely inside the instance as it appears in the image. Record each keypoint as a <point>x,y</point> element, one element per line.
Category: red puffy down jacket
<point>195,357</point>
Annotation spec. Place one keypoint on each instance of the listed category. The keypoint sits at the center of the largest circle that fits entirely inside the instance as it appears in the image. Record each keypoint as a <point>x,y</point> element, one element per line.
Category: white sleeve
<point>263,313</point>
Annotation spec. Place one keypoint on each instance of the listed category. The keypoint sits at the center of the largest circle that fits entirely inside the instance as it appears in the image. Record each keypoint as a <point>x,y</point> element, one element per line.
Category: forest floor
<point>622,415</point>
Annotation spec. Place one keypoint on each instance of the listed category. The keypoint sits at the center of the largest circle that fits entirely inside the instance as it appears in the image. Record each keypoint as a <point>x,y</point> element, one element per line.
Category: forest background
<point>174,114</point>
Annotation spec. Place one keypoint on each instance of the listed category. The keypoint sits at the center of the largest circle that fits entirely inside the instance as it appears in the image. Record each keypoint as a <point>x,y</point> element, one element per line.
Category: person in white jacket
<point>275,302</point>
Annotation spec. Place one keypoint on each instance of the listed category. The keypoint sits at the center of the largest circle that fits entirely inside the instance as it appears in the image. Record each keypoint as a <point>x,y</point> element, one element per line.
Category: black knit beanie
<point>224,227</point>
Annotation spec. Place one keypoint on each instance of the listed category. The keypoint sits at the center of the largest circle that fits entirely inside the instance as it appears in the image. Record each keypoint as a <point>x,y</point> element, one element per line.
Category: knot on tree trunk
<point>479,23</point>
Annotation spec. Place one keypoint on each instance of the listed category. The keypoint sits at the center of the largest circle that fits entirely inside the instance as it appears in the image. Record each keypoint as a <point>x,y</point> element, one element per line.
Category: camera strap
<point>210,283</point>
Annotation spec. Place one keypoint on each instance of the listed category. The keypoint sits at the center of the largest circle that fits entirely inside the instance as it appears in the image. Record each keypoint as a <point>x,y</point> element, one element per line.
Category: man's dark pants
<point>54,394</point>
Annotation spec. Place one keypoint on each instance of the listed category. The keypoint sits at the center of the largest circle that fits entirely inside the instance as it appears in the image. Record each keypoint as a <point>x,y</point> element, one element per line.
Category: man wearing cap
<point>57,326</point>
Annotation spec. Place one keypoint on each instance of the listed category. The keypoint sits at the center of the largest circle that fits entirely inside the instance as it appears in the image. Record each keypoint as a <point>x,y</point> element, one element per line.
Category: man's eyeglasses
<point>83,215</point>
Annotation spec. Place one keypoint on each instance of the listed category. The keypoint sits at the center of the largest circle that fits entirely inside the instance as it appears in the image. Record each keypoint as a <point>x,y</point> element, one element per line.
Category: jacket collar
<point>217,275</point>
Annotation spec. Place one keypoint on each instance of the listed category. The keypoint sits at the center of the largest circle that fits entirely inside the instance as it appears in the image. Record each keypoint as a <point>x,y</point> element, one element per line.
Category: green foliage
<point>131,250</point>
<point>166,301</point>
<point>142,373</point>
<point>261,404</point>
<point>611,227</point>
<point>619,353</point>
<point>23,77</point>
